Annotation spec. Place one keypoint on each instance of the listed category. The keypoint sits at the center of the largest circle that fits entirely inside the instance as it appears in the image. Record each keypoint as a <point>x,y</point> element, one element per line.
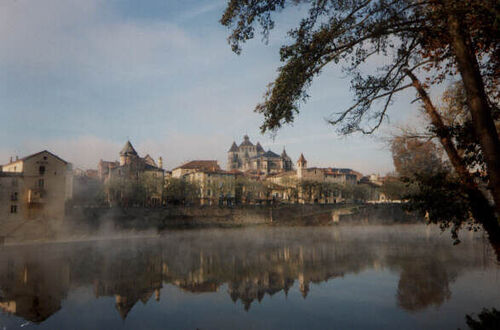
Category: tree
<point>179,191</point>
<point>395,189</point>
<point>415,156</point>
<point>222,188</point>
<point>487,320</point>
<point>433,39</point>
<point>359,192</point>
<point>251,191</point>
<point>454,196</point>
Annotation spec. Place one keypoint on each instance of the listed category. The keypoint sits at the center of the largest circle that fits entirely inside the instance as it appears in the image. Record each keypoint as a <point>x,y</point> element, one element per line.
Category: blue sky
<point>79,78</point>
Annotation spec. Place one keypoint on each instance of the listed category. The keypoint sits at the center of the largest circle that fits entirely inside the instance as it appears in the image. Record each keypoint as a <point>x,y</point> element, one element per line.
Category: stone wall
<point>194,217</point>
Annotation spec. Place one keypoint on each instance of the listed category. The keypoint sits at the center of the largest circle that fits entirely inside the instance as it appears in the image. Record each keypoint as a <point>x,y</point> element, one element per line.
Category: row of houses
<point>41,184</point>
<point>252,176</point>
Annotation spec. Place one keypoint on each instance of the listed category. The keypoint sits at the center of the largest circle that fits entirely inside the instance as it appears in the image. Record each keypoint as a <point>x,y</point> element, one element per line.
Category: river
<point>263,277</point>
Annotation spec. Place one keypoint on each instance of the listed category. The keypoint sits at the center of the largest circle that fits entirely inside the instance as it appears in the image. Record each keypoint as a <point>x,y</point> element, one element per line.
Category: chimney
<point>160,162</point>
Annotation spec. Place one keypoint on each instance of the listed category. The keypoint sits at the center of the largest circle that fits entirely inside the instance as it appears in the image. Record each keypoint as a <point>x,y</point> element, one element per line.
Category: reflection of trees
<point>253,264</point>
<point>423,283</point>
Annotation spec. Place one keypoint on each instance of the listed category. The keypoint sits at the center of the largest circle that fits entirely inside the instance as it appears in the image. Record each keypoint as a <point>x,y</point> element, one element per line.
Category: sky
<point>81,77</point>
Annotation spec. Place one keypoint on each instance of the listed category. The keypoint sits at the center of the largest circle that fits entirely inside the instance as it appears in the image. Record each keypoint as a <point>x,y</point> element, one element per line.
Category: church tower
<point>301,166</point>
<point>232,157</point>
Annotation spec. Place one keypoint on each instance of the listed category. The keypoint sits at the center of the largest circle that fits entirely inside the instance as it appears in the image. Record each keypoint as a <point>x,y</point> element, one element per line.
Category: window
<point>41,170</point>
<point>13,196</point>
<point>13,209</point>
<point>208,192</point>
<point>40,183</point>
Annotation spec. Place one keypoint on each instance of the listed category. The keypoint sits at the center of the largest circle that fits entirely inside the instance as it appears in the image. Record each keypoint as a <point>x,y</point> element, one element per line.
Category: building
<point>133,169</point>
<point>312,184</point>
<point>250,157</point>
<point>195,166</point>
<point>130,166</point>
<point>36,186</point>
<point>217,187</point>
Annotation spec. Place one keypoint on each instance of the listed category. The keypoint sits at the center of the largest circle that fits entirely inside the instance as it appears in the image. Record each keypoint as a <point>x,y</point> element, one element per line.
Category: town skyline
<point>223,163</point>
<point>163,76</point>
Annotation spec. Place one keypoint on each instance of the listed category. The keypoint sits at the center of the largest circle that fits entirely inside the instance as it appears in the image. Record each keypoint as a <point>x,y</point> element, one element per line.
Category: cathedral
<point>250,157</point>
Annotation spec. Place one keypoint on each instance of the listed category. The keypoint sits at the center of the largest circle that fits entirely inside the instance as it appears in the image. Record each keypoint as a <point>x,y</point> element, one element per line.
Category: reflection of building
<point>250,157</point>
<point>35,279</point>
<point>33,290</point>
<point>36,186</point>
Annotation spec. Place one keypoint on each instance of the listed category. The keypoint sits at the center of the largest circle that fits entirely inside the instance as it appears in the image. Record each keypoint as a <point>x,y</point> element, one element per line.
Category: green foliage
<point>313,190</point>
<point>222,187</point>
<point>443,198</point>
<point>251,191</point>
<point>411,35</point>
<point>395,189</point>
<point>126,192</point>
<point>179,191</point>
<point>135,191</point>
<point>358,192</point>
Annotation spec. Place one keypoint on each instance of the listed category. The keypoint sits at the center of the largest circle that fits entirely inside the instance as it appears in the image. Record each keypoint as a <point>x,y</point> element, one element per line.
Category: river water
<point>343,277</point>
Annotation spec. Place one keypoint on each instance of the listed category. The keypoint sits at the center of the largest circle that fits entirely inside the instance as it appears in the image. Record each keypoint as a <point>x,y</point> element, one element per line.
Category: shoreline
<point>102,223</point>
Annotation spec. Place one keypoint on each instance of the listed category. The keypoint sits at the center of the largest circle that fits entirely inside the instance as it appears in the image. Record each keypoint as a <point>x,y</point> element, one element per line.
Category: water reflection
<point>247,263</point>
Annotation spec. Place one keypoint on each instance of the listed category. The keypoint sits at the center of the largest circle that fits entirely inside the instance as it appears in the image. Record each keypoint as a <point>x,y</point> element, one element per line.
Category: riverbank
<point>196,217</point>
<point>118,222</point>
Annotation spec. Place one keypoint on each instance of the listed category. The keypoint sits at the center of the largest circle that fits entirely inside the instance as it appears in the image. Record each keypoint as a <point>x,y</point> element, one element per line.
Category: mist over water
<point>397,276</point>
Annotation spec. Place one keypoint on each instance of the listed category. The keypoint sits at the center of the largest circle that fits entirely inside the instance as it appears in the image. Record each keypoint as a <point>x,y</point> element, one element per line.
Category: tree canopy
<point>411,35</point>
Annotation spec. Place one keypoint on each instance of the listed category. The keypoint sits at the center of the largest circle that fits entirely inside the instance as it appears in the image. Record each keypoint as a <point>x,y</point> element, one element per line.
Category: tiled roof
<point>270,154</point>
<point>36,154</point>
<point>259,147</point>
<point>200,164</point>
<point>149,160</point>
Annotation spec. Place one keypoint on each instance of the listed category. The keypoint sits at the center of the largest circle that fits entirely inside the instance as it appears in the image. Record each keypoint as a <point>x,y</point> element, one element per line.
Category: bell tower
<point>301,166</point>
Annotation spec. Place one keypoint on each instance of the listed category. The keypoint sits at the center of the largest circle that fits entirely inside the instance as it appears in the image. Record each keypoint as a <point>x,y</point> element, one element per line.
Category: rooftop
<point>200,164</point>
<point>128,149</point>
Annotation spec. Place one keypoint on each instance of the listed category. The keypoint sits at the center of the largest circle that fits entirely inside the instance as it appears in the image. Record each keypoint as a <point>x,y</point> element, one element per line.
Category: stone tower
<point>301,166</point>
<point>128,154</point>
<point>285,161</point>
<point>232,157</point>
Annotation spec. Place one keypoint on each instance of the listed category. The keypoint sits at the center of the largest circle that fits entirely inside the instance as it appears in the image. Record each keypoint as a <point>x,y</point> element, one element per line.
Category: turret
<point>160,162</point>
<point>127,153</point>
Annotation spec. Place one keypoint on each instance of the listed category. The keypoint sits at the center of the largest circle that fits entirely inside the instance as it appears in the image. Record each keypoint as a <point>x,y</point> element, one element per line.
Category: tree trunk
<point>481,209</point>
<point>444,137</point>
<point>482,120</point>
